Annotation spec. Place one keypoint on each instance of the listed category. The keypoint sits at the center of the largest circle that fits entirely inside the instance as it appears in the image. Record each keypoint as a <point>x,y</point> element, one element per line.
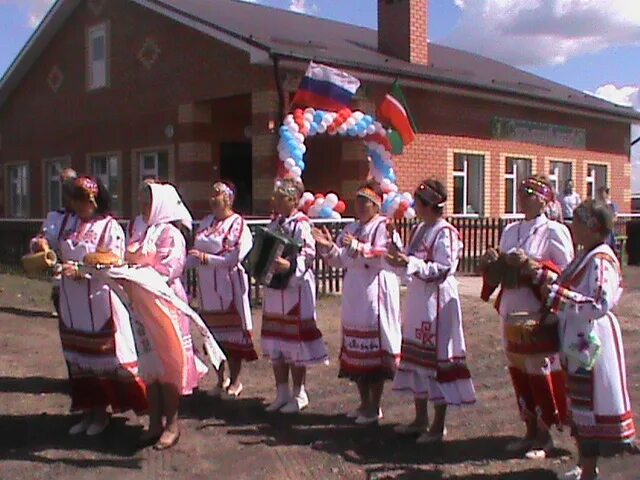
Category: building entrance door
<point>235,166</point>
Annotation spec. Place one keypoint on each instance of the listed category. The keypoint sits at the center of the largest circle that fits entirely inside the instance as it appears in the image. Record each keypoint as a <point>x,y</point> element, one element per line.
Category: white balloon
<point>289,163</point>
<point>318,202</point>
<point>288,120</point>
<point>351,122</point>
<point>371,129</point>
<point>358,115</point>
<point>306,196</point>
<point>303,148</point>
<point>410,213</point>
<point>296,172</point>
<point>308,117</point>
<point>342,129</point>
<point>335,215</point>
<point>322,128</point>
<point>314,211</point>
<point>408,197</point>
<point>309,111</point>
<point>331,200</point>
<point>362,133</point>
<point>307,124</point>
<point>293,127</point>
<point>283,155</point>
<point>299,137</point>
<point>394,188</point>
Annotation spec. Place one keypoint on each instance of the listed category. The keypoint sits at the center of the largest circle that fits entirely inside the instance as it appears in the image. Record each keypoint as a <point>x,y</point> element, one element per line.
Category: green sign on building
<point>538,133</point>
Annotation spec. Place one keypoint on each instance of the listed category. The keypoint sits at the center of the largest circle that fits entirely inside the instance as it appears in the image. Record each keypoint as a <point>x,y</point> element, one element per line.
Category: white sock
<point>283,391</point>
<point>298,392</point>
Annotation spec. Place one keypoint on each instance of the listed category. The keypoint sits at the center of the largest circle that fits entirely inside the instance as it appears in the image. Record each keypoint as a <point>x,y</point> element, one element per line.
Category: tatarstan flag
<point>394,111</point>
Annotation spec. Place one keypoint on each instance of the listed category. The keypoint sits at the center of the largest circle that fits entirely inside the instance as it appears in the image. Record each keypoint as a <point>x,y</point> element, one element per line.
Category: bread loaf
<point>109,259</point>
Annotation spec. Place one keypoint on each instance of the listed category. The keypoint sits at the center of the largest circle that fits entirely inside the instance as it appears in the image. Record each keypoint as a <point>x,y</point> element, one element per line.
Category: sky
<point>591,45</point>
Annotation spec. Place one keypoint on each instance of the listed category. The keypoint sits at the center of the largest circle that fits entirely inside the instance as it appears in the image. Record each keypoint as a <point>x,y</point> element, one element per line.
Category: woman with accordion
<point>371,332</point>
<point>221,244</point>
<point>290,337</point>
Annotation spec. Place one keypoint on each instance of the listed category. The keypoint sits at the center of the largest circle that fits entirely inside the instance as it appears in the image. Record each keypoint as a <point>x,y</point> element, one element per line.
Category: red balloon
<point>318,195</point>
<point>307,205</point>
<point>298,112</point>
<point>341,207</point>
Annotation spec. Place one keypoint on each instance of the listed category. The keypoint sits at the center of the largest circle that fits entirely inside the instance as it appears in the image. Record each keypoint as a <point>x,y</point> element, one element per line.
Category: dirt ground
<point>237,439</point>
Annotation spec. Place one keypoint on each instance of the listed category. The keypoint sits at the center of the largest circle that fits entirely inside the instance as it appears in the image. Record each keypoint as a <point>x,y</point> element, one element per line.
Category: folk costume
<point>58,225</point>
<point>370,312</point>
<point>95,329</point>
<point>592,352</point>
<point>289,330</point>
<point>223,285</point>
<point>534,364</point>
<point>165,344</point>
<point>136,230</point>
<point>433,359</point>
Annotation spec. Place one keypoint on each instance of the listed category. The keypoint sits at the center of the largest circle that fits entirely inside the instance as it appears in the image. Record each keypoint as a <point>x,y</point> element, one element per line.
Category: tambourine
<point>39,262</point>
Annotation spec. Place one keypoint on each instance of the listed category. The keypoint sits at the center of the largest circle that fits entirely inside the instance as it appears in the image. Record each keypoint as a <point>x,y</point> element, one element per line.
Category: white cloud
<point>302,6</point>
<point>34,10</point>
<point>630,97</point>
<point>543,32</point>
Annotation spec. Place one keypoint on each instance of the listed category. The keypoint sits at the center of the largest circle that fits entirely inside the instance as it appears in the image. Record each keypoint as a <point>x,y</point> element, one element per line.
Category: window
<point>468,184</point>
<point>517,170</point>
<point>596,179</point>
<point>53,185</point>
<point>105,167</point>
<point>559,173</point>
<point>97,49</point>
<point>18,189</point>
<point>154,164</point>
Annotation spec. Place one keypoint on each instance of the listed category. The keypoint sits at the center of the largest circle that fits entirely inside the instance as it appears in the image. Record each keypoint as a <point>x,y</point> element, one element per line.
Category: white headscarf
<point>167,206</point>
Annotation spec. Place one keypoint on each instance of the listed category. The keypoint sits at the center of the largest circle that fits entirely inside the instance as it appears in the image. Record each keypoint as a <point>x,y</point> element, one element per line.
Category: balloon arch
<point>304,123</point>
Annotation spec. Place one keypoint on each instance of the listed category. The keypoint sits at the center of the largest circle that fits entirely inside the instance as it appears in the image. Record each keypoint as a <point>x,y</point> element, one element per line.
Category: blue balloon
<point>368,119</point>
<point>325,212</point>
<point>302,165</point>
<point>317,118</point>
<point>283,130</point>
<point>352,132</point>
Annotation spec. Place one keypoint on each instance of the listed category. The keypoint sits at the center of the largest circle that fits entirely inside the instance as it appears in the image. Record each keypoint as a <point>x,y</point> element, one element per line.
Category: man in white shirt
<point>569,201</point>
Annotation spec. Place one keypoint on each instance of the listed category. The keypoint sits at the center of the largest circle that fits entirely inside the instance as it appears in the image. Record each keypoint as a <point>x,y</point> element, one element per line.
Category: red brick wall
<point>134,110</point>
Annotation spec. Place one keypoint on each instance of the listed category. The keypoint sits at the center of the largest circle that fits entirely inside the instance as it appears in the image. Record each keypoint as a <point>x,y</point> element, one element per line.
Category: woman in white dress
<point>592,353</point>
<point>433,359</point>
<point>290,336</point>
<point>95,329</point>
<point>221,244</point>
<point>371,331</point>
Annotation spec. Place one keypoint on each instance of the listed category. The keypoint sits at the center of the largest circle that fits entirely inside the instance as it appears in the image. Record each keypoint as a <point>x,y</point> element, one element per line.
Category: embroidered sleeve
<point>307,254</point>
<point>170,253</point>
<point>445,255</point>
<point>599,296</point>
<point>560,245</point>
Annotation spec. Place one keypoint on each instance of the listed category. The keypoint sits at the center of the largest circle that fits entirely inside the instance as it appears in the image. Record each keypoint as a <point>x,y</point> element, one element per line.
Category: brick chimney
<point>402,29</point>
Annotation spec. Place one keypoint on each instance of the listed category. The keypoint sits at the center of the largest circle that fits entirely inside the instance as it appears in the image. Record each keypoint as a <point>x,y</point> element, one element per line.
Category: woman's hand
<point>322,237</point>
<point>517,258</point>
<point>282,265</point>
<point>39,245</point>
<point>398,259</point>
<point>199,255</point>
<point>489,257</point>
<point>70,270</point>
<point>347,240</point>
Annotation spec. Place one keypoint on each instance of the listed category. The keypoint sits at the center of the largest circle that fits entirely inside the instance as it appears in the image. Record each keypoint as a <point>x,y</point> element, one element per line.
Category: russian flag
<point>326,88</point>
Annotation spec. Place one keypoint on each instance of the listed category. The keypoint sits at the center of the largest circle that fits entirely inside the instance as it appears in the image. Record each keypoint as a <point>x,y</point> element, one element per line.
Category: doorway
<point>235,166</point>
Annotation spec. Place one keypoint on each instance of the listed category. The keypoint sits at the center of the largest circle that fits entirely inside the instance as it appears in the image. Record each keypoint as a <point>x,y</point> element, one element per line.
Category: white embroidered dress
<point>371,330</point>
<point>223,286</point>
<point>97,339</point>
<point>289,330</point>
<point>433,359</point>
<point>536,374</point>
<point>592,351</point>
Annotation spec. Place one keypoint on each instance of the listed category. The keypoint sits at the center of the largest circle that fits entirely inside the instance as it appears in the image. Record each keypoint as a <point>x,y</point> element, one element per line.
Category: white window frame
<point>513,176</point>
<point>97,68</point>
<point>116,193</point>
<point>554,175</point>
<point>592,178</point>
<point>153,172</point>
<point>11,207</point>
<point>464,174</point>
<point>63,162</point>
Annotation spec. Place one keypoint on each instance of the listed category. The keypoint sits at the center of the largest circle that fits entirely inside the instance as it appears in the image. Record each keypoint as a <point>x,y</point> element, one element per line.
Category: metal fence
<point>477,234</point>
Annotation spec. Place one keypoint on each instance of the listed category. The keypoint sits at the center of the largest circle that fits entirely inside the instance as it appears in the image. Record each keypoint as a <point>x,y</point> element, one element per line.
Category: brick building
<point>194,90</point>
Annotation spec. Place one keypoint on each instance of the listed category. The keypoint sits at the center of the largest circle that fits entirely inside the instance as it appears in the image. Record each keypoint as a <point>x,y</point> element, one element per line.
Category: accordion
<point>267,247</point>
<point>502,273</point>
